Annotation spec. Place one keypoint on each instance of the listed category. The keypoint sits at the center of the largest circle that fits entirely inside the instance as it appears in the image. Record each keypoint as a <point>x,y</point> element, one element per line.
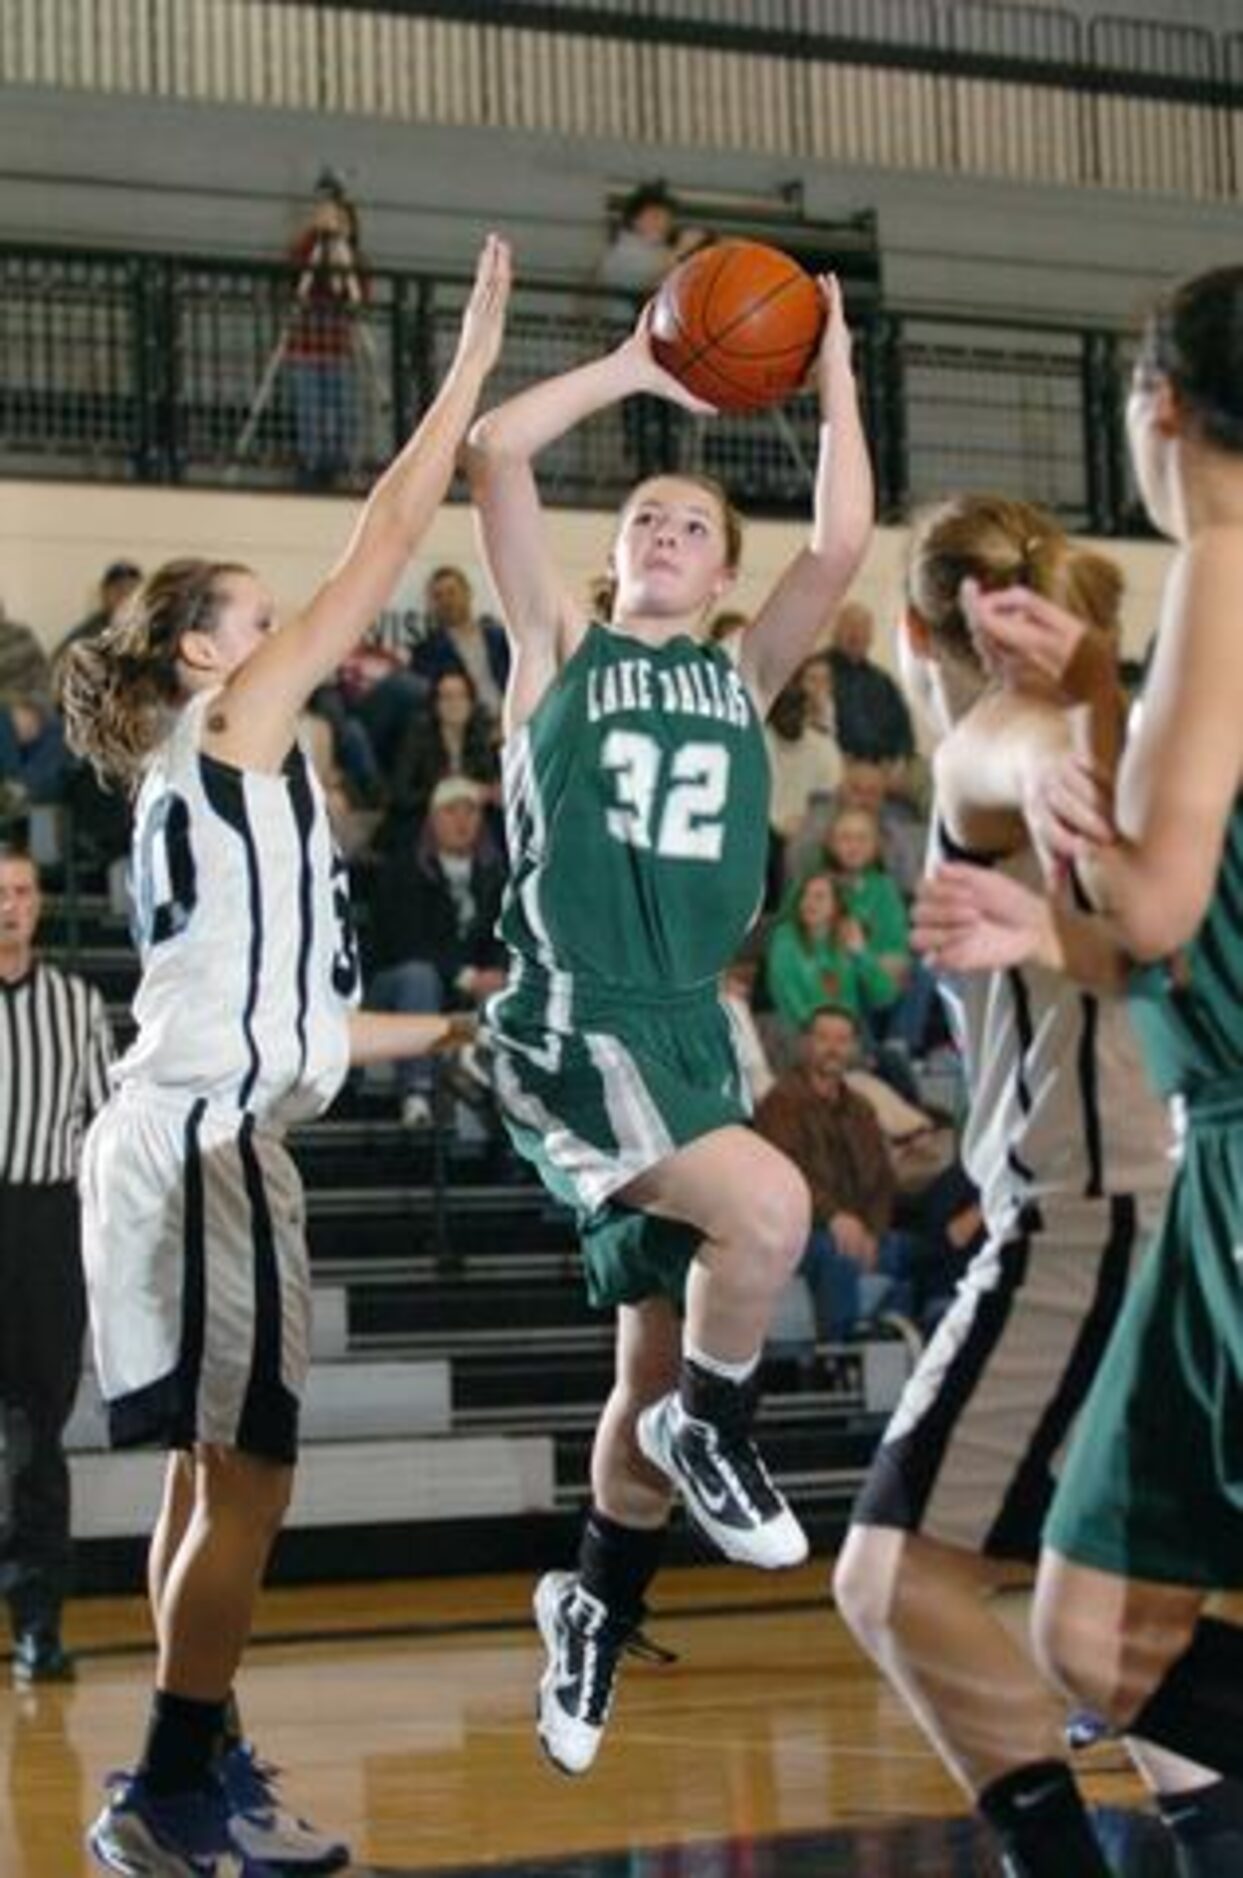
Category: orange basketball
<point>738,324</point>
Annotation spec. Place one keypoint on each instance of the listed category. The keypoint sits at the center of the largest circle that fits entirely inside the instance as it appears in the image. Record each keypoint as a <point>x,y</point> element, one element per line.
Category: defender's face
<point>247,616</point>
<point>1154,452</point>
<point>670,552</point>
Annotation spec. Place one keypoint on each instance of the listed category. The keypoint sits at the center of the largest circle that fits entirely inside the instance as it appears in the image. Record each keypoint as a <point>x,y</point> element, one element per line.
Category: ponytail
<point>119,692</point>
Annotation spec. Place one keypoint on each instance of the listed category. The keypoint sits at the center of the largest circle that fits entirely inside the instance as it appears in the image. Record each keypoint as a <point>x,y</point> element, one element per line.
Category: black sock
<point>1037,1813</point>
<point>182,1739</point>
<point>1207,1825</point>
<point>232,1733</point>
<point>1198,1708</point>
<point>707,1397</point>
<point>617,1563</point>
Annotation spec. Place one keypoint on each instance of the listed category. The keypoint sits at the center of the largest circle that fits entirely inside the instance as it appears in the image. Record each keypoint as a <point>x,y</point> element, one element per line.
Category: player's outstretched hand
<point>648,375</point>
<point>975,919</point>
<point>833,372</point>
<point>483,321</point>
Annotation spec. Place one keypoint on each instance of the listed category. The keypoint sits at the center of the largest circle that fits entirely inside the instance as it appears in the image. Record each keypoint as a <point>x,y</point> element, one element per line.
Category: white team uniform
<point>1070,1151</point>
<point>193,1220</point>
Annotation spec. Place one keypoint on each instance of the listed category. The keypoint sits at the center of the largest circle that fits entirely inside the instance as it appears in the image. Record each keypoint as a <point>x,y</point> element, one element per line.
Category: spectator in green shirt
<point>872,903</point>
<point>816,956</point>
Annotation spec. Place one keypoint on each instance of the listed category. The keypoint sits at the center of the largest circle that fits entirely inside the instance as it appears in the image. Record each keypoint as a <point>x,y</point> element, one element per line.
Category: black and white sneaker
<point>584,1644</point>
<point>725,1484</point>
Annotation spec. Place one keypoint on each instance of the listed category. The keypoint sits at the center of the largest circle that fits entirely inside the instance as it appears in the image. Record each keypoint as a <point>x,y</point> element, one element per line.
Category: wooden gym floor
<point>402,1714</point>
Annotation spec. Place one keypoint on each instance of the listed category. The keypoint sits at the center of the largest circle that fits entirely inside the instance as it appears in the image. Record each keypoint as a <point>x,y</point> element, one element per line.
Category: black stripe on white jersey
<point>268,1423</point>
<point>225,789</point>
<point>302,801</point>
<point>1016,1529</point>
<point>166,1410</point>
<point>904,1472</point>
<point>1026,1037</point>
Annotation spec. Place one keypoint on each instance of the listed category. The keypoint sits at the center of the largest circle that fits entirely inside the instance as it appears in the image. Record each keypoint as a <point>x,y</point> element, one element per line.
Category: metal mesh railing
<point>164,369</point>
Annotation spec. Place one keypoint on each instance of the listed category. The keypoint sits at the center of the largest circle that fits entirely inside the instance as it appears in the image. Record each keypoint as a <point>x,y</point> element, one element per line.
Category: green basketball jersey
<point>1189,1010</point>
<point>636,803</point>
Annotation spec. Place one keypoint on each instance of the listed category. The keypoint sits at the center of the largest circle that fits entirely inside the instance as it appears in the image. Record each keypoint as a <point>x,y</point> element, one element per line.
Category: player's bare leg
<point>751,1207</point>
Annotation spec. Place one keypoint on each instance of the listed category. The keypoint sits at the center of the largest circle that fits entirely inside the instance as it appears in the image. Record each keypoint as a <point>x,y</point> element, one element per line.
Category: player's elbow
<point>486,443</point>
<point>1159,922</point>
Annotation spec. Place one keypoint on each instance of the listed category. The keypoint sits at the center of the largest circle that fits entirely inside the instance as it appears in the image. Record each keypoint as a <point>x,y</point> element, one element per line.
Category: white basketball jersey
<point>241,914</point>
<point>1059,1101</point>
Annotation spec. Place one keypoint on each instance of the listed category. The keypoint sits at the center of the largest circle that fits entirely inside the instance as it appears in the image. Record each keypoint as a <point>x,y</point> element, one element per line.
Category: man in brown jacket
<point>834,1139</point>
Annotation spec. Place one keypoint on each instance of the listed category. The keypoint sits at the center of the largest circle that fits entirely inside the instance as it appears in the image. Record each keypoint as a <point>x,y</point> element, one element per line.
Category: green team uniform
<point>1154,1484</point>
<point>636,808</point>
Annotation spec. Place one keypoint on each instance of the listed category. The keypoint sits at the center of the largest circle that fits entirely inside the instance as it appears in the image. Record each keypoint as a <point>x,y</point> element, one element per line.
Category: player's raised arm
<point>794,617</point>
<point>544,619</point>
<point>1180,775</point>
<point>264,696</point>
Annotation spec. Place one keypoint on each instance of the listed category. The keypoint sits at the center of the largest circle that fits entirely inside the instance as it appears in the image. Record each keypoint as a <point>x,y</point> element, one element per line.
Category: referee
<point>54,1056</point>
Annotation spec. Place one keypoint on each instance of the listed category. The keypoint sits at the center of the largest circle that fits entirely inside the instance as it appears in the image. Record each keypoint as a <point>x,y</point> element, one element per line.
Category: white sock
<point>717,1366</point>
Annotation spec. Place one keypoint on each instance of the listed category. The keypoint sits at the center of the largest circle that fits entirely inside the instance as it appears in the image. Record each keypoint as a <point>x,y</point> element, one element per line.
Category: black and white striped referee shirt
<point>55,1048</point>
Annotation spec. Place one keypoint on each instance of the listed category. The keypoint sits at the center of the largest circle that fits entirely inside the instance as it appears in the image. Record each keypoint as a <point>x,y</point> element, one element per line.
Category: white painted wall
<point>56,539</point>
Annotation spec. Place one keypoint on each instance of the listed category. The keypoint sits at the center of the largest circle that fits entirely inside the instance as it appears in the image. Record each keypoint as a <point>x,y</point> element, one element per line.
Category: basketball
<point>738,324</point>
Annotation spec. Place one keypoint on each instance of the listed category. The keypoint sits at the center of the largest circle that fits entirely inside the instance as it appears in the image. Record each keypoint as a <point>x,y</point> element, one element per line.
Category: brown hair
<point>1002,543</point>
<point>1194,337</point>
<point>604,590</point>
<point>119,690</point>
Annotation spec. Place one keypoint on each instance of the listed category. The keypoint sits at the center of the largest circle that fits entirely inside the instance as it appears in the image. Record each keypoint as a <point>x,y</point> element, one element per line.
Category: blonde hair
<point>1000,542</point>
<point>119,691</point>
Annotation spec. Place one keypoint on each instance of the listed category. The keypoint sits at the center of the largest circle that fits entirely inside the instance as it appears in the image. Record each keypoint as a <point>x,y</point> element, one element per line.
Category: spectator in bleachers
<point>816,955</point>
<point>805,769</point>
<point>647,242</point>
<point>871,715</point>
<point>434,901</point>
<point>903,833</point>
<point>854,1264</point>
<point>25,670</point>
<point>805,762</point>
<point>460,640</point>
<point>453,737</point>
<point>54,1054</point>
<point>32,744</point>
<point>321,348</point>
<point>876,915</point>
<point>119,580</point>
<point>816,677</point>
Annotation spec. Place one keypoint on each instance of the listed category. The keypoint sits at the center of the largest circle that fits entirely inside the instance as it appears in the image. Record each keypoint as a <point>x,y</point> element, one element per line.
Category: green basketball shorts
<point>1153,1486</point>
<point>595,1108</point>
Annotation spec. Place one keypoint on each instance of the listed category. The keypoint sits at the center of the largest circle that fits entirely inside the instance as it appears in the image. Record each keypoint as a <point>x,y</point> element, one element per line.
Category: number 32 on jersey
<point>690,825</point>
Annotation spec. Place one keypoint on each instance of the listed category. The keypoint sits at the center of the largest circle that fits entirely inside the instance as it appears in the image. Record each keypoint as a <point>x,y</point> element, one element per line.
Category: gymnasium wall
<point>56,538</point>
<point>115,171</point>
